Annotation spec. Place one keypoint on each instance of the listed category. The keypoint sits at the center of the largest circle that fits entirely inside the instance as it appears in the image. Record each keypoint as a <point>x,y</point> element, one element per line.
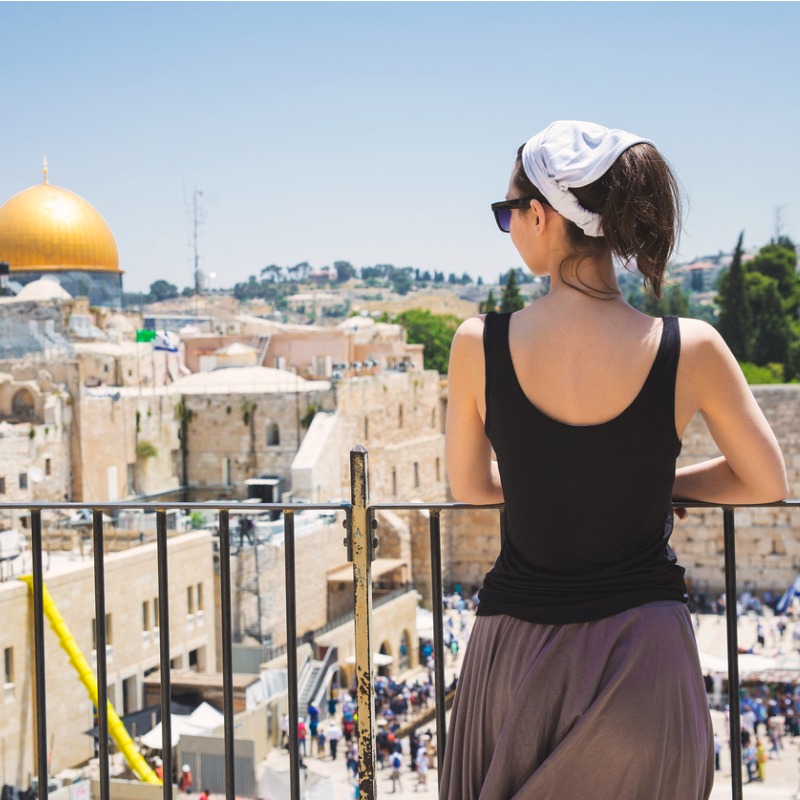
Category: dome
<point>43,289</point>
<point>50,229</point>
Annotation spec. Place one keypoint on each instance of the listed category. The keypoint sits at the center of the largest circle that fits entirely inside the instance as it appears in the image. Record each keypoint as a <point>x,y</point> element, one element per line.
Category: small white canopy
<point>201,722</point>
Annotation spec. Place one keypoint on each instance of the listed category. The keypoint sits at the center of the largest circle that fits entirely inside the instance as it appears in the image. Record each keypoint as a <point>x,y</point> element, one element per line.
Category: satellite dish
<point>36,474</point>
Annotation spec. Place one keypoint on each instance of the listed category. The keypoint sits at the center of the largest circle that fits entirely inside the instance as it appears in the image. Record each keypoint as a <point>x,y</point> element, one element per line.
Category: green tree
<point>435,331</point>
<point>770,342</point>
<point>734,323</point>
<point>344,271</point>
<point>489,304</point>
<point>161,290</point>
<point>511,299</point>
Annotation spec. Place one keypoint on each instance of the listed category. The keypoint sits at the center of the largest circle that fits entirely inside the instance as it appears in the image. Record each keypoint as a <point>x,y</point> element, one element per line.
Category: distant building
<point>49,231</point>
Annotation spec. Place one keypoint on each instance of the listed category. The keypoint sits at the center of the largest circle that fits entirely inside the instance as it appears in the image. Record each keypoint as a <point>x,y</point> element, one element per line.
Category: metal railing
<point>361,543</point>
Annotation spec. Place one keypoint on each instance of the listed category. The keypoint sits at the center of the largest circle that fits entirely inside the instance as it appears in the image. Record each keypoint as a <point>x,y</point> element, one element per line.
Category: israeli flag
<point>165,341</point>
<point>786,601</point>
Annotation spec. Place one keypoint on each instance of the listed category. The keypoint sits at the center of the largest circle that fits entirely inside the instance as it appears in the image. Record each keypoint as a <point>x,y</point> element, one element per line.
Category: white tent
<point>276,785</point>
<point>201,722</point>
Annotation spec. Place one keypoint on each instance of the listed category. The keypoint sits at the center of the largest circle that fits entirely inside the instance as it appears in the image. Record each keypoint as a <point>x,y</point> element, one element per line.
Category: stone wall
<point>229,436</point>
<point>318,549</point>
<point>767,544</point>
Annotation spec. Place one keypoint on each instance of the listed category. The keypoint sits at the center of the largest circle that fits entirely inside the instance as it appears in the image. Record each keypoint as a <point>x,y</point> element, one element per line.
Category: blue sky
<point>380,133</point>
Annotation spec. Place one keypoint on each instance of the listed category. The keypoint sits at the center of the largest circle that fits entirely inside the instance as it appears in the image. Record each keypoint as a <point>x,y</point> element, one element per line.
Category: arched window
<point>273,434</point>
<point>22,406</point>
<point>400,416</point>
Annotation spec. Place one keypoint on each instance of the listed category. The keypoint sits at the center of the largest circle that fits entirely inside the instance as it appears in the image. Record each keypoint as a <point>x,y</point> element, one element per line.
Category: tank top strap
<point>499,368</point>
<point>659,389</point>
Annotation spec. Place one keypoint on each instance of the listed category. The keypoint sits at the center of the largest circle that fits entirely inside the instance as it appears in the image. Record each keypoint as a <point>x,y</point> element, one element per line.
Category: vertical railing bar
<point>291,651</point>
<point>362,546</point>
<point>227,656</point>
<point>734,708</point>
<point>163,624</point>
<point>437,600</point>
<point>38,646</point>
<point>101,640</point>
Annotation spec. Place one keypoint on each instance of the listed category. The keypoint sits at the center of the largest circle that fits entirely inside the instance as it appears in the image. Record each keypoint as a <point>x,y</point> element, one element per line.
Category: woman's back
<point>587,503</point>
<point>582,361</point>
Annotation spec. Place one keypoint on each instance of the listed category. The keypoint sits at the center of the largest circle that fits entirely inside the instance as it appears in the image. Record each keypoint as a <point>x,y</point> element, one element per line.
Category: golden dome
<point>48,228</point>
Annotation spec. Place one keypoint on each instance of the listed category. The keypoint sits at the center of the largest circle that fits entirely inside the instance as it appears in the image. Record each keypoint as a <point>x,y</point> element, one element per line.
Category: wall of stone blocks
<point>397,417</point>
<point>317,550</point>
<point>767,541</point>
<point>234,426</point>
<point>131,579</point>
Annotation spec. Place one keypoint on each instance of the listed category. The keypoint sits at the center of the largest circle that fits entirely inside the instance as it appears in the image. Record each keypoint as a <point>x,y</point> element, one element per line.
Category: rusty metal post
<point>362,545</point>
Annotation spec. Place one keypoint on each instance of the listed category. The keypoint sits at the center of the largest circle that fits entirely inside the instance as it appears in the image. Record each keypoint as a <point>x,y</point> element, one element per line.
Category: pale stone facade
<point>131,591</point>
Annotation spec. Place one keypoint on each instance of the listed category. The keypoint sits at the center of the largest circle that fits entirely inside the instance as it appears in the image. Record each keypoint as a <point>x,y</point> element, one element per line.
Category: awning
<point>380,566</point>
<point>379,659</point>
<point>140,722</point>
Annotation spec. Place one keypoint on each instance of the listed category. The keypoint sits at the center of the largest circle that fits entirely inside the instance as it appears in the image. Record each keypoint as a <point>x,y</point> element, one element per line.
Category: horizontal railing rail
<point>360,524</point>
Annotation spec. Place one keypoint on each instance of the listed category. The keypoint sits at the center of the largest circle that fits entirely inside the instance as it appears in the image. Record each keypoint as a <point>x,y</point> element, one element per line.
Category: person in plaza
<point>582,624</point>
<point>302,733</point>
<point>396,761</point>
<point>761,760</point>
<point>185,781</point>
<point>284,730</point>
<point>422,768</point>
<point>333,733</point>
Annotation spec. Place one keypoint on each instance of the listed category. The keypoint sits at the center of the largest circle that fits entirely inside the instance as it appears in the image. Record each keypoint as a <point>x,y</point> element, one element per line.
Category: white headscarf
<point>570,154</point>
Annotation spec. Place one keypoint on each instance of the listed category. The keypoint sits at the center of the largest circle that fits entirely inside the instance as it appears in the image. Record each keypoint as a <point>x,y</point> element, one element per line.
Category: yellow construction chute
<point>116,729</point>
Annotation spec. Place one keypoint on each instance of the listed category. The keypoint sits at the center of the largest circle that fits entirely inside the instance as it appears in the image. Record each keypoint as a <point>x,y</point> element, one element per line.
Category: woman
<point>581,676</point>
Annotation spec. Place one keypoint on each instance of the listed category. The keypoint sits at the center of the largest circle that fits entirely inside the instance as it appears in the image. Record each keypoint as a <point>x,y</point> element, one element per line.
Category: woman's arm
<point>751,468</point>
<point>472,474</point>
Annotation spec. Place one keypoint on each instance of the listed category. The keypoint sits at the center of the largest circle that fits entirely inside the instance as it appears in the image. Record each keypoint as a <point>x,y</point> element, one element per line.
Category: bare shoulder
<point>701,343</point>
<point>469,335</point>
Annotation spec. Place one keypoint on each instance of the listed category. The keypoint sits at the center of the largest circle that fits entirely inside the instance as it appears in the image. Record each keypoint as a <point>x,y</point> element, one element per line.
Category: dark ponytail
<point>639,203</point>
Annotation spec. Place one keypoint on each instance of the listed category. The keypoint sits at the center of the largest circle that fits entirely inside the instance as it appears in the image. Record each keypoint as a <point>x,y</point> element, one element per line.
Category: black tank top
<point>588,511</point>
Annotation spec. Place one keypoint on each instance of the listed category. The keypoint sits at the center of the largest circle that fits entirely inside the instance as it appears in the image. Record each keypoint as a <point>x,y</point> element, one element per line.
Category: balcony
<point>362,545</point>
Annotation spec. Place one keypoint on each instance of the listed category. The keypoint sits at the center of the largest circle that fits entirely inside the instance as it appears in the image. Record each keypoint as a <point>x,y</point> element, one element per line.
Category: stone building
<point>133,644</point>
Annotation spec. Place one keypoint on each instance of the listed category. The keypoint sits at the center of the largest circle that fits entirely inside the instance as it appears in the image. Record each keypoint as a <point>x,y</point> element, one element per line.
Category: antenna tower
<point>196,222</point>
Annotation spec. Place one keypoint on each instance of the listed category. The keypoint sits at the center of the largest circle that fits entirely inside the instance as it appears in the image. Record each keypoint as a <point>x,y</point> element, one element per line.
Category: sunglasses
<point>502,211</point>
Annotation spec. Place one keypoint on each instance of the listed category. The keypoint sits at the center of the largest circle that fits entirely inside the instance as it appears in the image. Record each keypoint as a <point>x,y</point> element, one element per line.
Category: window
<point>199,596</point>
<point>156,613</point>
<point>394,482</point>
<point>438,469</point>
<point>273,434</point>
<point>2,485</point>
<point>146,615</point>
<point>47,467</point>
<point>23,480</point>
<point>416,475</point>
<point>8,665</point>
<point>400,416</point>
<point>190,599</point>
<point>109,636</point>
<point>366,428</point>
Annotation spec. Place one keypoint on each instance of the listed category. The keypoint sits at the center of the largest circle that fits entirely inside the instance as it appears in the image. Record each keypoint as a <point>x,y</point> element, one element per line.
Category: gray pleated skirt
<point>614,709</point>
